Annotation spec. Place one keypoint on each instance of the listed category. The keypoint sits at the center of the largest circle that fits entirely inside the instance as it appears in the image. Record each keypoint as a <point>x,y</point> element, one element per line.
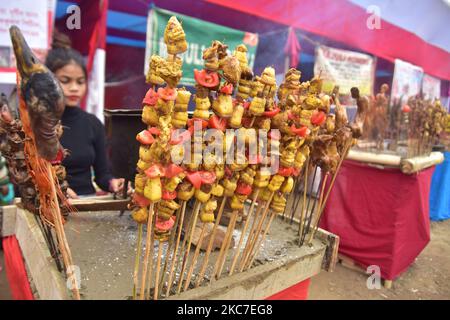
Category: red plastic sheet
<point>298,291</point>
<point>15,270</point>
<point>380,215</point>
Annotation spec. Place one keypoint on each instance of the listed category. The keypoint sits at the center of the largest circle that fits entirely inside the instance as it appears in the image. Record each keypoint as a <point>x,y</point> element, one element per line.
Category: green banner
<point>199,35</point>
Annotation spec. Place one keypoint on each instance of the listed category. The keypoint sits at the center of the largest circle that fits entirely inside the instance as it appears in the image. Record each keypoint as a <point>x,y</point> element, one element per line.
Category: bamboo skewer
<point>188,248</point>
<point>228,242</point>
<point>322,189</point>
<point>308,213</point>
<point>169,249</point>
<point>158,269</point>
<point>298,184</point>
<point>250,236</point>
<point>136,261</point>
<point>174,255</point>
<point>194,259</point>
<point>211,242</point>
<point>224,245</point>
<point>266,230</point>
<point>150,267</point>
<point>147,250</point>
<point>244,230</point>
<point>333,179</point>
<point>303,212</point>
<point>258,230</point>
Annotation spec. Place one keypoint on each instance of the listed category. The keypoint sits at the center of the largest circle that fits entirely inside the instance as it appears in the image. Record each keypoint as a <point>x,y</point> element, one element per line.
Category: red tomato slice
<point>176,137</point>
<point>145,137</point>
<point>167,93</point>
<point>206,79</point>
<point>164,225</point>
<point>154,171</point>
<point>169,195</point>
<point>318,118</point>
<point>218,123</point>
<point>292,116</point>
<point>207,177</point>
<point>302,132</point>
<point>271,113</point>
<point>285,172</point>
<point>151,97</point>
<point>246,105</point>
<point>243,188</point>
<point>227,89</point>
<point>195,179</point>
<point>406,108</point>
<point>140,200</point>
<point>154,130</point>
<point>295,172</point>
<point>172,170</point>
<point>204,123</point>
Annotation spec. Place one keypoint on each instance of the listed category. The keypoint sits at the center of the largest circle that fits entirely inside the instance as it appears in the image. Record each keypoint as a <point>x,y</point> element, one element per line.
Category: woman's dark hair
<point>58,58</point>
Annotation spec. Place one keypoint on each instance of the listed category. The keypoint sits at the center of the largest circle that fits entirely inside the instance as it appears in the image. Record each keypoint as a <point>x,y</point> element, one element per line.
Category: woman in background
<point>84,134</point>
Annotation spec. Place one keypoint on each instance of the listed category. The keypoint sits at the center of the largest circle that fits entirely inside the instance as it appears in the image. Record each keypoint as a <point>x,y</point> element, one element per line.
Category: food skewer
<point>251,234</point>
<point>150,267</point>
<point>211,242</point>
<point>197,206</point>
<point>303,212</point>
<point>223,258</point>
<point>147,250</point>
<point>158,268</point>
<point>169,249</point>
<point>195,257</point>
<point>306,212</point>
<point>324,182</point>
<point>244,230</point>
<point>175,252</point>
<point>258,230</point>
<point>136,262</point>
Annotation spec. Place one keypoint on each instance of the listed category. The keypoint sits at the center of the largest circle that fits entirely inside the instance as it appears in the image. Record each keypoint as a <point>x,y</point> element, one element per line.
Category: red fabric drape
<point>15,270</point>
<point>298,291</point>
<point>381,216</point>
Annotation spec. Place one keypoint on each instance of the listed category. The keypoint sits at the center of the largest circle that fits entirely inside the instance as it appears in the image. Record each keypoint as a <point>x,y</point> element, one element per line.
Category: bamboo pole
<point>258,230</point>
<point>147,250</point>
<point>303,212</point>
<point>150,267</point>
<point>137,259</point>
<point>211,242</point>
<point>244,230</point>
<point>174,255</point>
<point>228,242</point>
<point>250,236</point>
<point>266,230</point>
<point>333,179</point>
<point>324,182</point>
<point>169,249</point>
<point>195,257</point>
<point>188,248</point>
<point>158,269</point>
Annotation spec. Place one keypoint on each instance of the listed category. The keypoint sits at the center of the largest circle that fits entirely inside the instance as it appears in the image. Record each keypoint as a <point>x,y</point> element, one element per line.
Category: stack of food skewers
<point>235,113</point>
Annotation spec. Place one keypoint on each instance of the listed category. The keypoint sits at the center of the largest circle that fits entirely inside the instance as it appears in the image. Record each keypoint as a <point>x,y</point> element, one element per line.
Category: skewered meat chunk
<point>275,183</point>
<point>185,191</point>
<point>174,37</point>
<point>207,212</point>
<point>153,76</point>
<point>152,190</point>
<point>278,203</point>
<point>363,105</point>
<point>231,69</point>
<point>140,215</point>
<point>223,105</point>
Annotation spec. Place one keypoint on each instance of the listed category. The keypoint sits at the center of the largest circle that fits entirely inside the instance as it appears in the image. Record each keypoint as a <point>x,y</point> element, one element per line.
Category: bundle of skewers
<point>34,153</point>
<point>183,203</point>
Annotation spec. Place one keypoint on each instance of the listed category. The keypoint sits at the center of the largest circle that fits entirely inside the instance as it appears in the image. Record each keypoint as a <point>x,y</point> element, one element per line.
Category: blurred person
<point>84,135</point>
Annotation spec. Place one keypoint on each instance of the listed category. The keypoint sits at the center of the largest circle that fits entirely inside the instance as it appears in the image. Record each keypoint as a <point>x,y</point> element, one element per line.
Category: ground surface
<point>427,278</point>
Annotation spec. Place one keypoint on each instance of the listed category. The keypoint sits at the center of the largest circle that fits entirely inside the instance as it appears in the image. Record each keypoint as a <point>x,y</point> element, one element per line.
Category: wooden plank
<point>8,227</point>
<point>331,254</point>
<point>265,280</point>
<point>48,281</point>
